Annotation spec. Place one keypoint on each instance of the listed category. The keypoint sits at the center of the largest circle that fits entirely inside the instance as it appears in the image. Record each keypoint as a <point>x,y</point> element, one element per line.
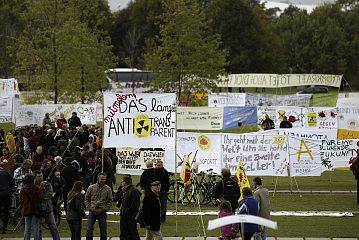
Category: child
<point>225,209</point>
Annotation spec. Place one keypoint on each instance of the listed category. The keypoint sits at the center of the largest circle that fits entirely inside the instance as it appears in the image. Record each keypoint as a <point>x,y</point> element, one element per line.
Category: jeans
<point>5,202</point>
<point>101,218</point>
<point>75,226</point>
<point>50,219</point>
<point>261,235</point>
<point>32,220</point>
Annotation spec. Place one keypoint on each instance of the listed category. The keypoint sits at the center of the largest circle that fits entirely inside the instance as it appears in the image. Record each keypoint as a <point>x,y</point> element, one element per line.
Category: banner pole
<point>103,132</point>
<point>275,185</point>
<point>176,163</point>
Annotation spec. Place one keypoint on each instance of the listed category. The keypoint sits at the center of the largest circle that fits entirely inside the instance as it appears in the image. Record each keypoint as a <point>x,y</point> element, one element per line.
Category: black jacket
<point>7,183</point>
<point>74,122</point>
<point>130,203</point>
<point>154,174</point>
<point>151,211</point>
<point>229,190</point>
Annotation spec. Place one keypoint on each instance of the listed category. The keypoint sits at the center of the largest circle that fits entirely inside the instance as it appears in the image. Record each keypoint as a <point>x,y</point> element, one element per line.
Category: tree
<point>187,59</point>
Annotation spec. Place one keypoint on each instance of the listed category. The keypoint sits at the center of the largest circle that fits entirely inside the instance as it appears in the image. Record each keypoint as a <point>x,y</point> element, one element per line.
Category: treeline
<point>65,45</point>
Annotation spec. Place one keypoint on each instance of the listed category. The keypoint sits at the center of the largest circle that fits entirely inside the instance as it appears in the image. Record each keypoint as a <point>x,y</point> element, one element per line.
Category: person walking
<point>98,201</point>
<point>30,195</point>
<point>128,210</point>
<point>151,212</point>
<point>228,189</point>
<point>165,186</point>
<point>261,194</point>
<point>75,210</point>
<point>6,190</point>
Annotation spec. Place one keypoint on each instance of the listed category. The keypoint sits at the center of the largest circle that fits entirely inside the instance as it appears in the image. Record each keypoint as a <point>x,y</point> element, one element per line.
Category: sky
<point>120,4</point>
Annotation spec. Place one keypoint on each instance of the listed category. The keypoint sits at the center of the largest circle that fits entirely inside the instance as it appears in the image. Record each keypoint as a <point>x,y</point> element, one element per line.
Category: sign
<point>139,120</point>
<point>201,118</point>
<point>204,150</point>
<point>322,118</point>
<point>239,116</point>
<point>34,114</point>
<point>337,153</point>
<point>9,87</point>
<point>348,95</point>
<point>260,99</point>
<point>226,99</point>
<point>348,118</point>
<point>6,106</point>
<point>296,115</point>
<point>279,80</point>
<point>318,134</point>
<point>348,102</point>
<point>262,155</point>
<point>347,134</point>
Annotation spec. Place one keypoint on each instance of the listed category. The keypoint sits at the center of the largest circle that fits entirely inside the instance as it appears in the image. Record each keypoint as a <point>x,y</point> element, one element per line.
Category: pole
<point>176,163</point>
<point>103,133</point>
<point>275,186</point>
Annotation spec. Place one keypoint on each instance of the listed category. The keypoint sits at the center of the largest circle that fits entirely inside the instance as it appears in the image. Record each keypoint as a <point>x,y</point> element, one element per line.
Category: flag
<point>186,171</point>
<point>242,178</point>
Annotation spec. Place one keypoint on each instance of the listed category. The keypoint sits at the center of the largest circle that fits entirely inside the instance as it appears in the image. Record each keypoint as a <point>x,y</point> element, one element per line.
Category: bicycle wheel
<point>172,191</point>
<point>187,194</point>
<point>16,219</point>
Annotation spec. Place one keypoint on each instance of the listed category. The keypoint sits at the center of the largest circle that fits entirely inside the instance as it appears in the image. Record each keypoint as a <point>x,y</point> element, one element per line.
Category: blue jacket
<point>249,205</point>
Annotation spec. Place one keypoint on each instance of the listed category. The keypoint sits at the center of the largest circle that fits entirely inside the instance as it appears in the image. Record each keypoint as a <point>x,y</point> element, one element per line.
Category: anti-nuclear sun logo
<point>143,126</point>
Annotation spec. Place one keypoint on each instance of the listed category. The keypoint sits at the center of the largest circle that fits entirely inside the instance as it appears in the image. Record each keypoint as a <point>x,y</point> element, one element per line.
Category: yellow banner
<point>347,134</point>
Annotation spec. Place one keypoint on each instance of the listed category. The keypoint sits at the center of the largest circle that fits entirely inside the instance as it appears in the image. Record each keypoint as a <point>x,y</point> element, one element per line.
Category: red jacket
<point>30,194</point>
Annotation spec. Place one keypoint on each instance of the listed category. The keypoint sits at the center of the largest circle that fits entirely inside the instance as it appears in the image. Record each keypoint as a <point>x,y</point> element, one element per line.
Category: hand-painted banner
<point>347,134</point>
<point>6,107</point>
<point>296,115</point>
<point>239,116</point>
<point>226,99</point>
<point>279,80</point>
<point>337,153</point>
<point>322,118</point>
<point>348,102</point>
<point>262,155</point>
<point>348,118</point>
<point>348,95</point>
<point>201,118</point>
<point>9,87</point>
<point>204,150</point>
<point>139,120</point>
<point>317,134</point>
<point>132,160</point>
<point>260,99</point>
<point>305,158</point>
<point>34,114</point>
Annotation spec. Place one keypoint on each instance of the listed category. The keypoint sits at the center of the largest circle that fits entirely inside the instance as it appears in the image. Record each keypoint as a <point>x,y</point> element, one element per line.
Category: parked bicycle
<point>16,219</point>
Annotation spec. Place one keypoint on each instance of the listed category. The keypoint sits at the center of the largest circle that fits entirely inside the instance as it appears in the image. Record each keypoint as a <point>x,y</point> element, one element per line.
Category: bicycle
<point>16,219</point>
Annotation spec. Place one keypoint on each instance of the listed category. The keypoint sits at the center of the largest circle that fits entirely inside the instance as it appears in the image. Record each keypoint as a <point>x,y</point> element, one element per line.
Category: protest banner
<point>34,114</point>
<point>348,102</point>
<point>348,118</point>
<point>9,87</point>
<point>226,99</point>
<point>132,160</point>
<point>6,107</point>
<point>262,155</point>
<point>337,153</point>
<point>139,120</point>
<point>201,118</point>
<point>260,99</point>
<point>347,134</point>
<point>348,95</point>
<point>204,149</point>
<point>294,114</point>
<point>279,80</point>
<point>317,134</point>
<point>304,156</point>
<point>322,118</point>
<point>239,116</point>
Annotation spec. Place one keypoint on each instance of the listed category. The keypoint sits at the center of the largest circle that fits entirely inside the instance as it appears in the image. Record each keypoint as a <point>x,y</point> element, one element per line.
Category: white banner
<point>348,118</point>
<point>305,158</point>
<point>201,118</point>
<point>9,87</point>
<point>322,118</point>
<point>294,114</point>
<point>139,120</point>
<point>6,106</point>
<point>317,134</point>
<point>348,95</point>
<point>279,80</point>
<point>348,102</point>
<point>262,155</point>
<point>34,114</point>
<point>260,99</point>
<point>337,153</point>
<point>226,99</point>
<point>204,150</point>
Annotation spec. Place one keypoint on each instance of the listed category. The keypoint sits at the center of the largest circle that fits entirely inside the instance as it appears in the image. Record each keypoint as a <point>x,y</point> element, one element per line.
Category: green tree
<point>187,59</point>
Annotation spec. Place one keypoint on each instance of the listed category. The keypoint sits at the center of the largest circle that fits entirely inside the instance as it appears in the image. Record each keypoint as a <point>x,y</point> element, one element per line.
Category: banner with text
<point>226,99</point>
<point>296,115</point>
<point>348,102</point>
<point>239,116</point>
<point>204,150</point>
<point>279,80</point>
<point>262,155</point>
<point>6,107</point>
<point>34,114</point>
<point>348,118</point>
<point>260,99</point>
<point>9,87</point>
<point>347,134</point>
<point>337,153</point>
<point>322,118</point>
<point>317,134</point>
<point>139,120</point>
<point>201,118</point>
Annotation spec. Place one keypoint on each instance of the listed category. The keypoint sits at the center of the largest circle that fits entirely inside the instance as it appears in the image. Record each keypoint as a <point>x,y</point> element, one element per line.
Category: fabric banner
<point>348,95</point>
<point>201,118</point>
<point>322,118</point>
<point>317,134</point>
<point>204,150</point>
<point>9,87</point>
<point>260,99</point>
<point>305,157</point>
<point>132,160</point>
<point>296,115</point>
<point>348,102</point>
<point>140,120</point>
<point>226,99</point>
<point>262,155</point>
<point>347,134</point>
<point>337,153</point>
<point>279,80</point>
<point>348,118</point>
<point>6,107</point>
<point>34,114</point>
<point>239,116</point>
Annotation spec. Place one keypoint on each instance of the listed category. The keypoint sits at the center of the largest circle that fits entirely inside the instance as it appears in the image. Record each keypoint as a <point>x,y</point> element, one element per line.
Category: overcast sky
<point>120,4</point>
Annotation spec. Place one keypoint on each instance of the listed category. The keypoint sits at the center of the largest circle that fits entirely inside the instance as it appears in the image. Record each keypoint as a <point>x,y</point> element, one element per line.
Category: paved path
<point>202,238</point>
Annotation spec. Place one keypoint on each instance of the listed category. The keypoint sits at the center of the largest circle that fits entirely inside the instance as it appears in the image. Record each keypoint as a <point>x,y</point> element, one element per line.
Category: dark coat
<point>70,175</point>
<point>249,206</point>
<point>30,195</point>
<point>79,211</point>
<point>7,183</point>
<point>130,203</point>
<point>154,174</point>
<point>151,211</point>
<point>74,122</point>
<point>229,190</point>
